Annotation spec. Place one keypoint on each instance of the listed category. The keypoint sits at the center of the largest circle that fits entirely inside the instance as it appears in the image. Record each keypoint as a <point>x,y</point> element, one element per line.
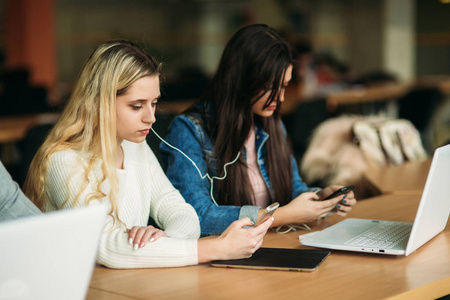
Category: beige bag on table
<point>389,142</point>
<point>341,150</point>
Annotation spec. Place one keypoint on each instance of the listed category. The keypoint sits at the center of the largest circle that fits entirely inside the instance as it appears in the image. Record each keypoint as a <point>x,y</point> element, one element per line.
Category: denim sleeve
<point>184,135</point>
<point>13,203</point>
<point>250,211</point>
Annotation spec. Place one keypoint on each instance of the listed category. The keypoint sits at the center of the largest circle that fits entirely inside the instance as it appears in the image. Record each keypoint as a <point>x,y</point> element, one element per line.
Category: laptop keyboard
<point>385,235</point>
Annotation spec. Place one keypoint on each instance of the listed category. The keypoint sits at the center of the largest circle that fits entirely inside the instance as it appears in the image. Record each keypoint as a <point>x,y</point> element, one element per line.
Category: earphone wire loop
<point>198,170</point>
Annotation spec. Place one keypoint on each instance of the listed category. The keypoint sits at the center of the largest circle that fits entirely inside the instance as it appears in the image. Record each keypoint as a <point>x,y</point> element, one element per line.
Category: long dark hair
<point>253,62</point>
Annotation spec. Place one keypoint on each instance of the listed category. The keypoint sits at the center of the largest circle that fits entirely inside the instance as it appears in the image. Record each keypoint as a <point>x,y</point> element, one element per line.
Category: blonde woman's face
<point>258,107</point>
<point>135,110</point>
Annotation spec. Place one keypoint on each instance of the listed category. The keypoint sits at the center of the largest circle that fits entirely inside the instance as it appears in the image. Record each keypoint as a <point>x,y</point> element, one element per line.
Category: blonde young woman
<point>97,152</point>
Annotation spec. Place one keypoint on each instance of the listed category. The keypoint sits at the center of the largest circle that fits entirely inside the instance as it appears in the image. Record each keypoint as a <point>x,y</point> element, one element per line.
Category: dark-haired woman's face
<point>258,107</point>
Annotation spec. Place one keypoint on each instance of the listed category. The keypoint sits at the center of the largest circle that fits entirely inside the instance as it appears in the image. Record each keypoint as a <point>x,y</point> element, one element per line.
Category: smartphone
<point>340,191</point>
<point>268,212</point>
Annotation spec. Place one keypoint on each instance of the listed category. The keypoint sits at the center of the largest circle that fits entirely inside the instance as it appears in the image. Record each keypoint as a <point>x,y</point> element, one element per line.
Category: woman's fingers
<point>243,242</point>
<point>132,234</point>
<point>139,236</point>
<point>264,226</point>
<point>151,235</point>
<point>242,222</point>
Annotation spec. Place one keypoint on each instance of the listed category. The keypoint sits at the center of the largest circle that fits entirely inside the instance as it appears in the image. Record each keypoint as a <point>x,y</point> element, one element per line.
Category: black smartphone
<point>341,191</point>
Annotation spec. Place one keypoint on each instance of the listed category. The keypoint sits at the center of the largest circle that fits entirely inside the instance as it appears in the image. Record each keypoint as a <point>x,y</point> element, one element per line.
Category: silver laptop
<point>50,256</point>
<point>397,238</point>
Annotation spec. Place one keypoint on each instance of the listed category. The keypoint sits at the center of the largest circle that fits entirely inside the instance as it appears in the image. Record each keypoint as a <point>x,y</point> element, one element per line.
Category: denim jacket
<point>186,134</point>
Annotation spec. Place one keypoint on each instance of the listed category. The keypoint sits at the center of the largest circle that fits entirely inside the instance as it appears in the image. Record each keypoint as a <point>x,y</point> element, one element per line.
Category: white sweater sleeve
<point>65,178</point>
<point>167,206</point>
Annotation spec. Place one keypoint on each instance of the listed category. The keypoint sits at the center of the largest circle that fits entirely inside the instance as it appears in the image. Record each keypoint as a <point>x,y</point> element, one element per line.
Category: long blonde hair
<point>88,122</point>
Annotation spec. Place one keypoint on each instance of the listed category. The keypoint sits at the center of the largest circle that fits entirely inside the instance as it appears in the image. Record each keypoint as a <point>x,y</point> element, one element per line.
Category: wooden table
<point>425,274</point>
<point>14,128</point>
<point>374,94</point>
<point>405,178</point>
<point>94,294</point>
<point>386,92</point>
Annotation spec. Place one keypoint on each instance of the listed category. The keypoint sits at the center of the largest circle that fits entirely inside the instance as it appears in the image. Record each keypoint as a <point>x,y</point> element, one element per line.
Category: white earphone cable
<point>198,170</point>
<point>278,229</point>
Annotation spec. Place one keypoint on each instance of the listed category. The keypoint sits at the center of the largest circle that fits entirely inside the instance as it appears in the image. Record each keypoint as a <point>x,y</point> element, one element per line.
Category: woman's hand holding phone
<point>267,213</point>
<point>237,241</point>
<point>347,201</point>
<point>342,191</point>
<point>306,207</point>
<point>302,209</point>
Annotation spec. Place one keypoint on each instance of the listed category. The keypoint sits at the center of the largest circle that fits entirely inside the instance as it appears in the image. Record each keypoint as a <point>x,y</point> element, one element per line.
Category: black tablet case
<point>278,259</point>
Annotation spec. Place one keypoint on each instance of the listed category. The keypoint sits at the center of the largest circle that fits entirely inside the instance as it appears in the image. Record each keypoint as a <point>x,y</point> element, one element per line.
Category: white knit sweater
<point>143,190</point>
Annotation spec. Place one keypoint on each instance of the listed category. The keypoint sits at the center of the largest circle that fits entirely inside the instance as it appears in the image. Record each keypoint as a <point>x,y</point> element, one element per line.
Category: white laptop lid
<point>431,218</point>
<point>434,207</point>
<point>50,256</point>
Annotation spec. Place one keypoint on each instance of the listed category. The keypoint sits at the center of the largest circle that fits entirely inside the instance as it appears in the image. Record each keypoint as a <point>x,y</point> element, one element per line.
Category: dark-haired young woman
<point>235,135</point>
